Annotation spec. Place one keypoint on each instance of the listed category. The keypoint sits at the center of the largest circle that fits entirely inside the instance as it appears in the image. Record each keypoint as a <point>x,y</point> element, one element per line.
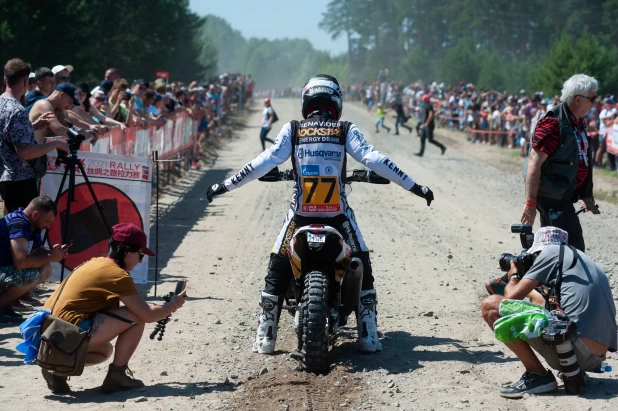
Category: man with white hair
<point>558,172</point>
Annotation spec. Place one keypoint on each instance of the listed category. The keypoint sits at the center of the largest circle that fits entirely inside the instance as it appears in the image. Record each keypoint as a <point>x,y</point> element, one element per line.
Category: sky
<point>274,19</point>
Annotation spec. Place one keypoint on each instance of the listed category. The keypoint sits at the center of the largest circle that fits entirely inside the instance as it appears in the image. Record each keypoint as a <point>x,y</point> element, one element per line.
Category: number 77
<point>314,185</point>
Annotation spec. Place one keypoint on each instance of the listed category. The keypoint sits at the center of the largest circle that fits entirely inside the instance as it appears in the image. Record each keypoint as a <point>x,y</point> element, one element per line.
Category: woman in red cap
<point>90,298</point>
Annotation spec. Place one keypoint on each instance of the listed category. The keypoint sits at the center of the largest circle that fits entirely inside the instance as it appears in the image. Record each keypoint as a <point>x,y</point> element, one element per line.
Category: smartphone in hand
<point>180,286</point>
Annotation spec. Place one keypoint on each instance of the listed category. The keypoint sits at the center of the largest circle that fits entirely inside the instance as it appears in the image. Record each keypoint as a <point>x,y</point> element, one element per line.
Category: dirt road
<point>430,265</point>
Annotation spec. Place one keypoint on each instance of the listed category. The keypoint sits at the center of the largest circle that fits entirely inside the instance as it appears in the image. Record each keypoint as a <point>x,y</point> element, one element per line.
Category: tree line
<point>272,63</point>
<point>137,37</point>
<point>497,44</point>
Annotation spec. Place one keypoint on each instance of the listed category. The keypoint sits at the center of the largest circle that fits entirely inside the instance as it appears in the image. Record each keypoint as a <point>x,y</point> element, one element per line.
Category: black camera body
<point>560,330</point>
<point>74,139</point>
<point>523,261</point>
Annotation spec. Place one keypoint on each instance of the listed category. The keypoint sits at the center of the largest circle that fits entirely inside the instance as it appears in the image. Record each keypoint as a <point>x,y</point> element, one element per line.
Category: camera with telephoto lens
<point>560,333</point>
<point>523,261</point>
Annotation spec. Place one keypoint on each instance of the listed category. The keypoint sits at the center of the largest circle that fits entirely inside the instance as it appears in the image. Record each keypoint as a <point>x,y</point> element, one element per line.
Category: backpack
<point>275,117</point>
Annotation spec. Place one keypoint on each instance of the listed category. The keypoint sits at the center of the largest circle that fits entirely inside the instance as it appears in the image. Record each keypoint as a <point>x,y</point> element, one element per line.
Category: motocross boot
<point>266,335</point>
<point>366,322</point>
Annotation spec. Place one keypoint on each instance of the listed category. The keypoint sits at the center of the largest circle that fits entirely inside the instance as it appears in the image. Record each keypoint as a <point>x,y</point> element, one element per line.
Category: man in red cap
<point>268,118</point>
<point>90,298</point>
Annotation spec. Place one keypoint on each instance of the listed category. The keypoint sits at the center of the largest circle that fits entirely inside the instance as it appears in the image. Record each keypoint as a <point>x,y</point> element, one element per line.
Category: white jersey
<point>319,160</point>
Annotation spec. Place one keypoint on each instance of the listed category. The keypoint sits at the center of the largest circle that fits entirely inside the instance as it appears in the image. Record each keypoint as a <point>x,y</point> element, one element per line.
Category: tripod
<point>71,161</point>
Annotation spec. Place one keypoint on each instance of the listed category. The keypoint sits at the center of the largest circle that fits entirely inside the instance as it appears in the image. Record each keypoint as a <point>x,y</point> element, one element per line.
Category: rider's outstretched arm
<point>280,151</point>
<point>366,154</point>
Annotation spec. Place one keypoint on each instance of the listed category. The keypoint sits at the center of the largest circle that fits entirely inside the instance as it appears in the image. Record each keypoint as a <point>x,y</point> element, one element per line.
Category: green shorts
<point>12,277</point>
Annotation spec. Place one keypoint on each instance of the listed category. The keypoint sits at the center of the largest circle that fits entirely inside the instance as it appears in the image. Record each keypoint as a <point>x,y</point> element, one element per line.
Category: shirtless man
<point>62,99</point>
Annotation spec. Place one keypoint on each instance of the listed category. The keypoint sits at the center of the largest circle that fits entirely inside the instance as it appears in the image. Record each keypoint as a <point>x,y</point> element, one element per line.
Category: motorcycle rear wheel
<point>314,323</point>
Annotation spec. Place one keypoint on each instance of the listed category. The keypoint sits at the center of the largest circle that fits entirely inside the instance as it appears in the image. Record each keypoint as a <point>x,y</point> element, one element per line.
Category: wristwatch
<point>515,276</point>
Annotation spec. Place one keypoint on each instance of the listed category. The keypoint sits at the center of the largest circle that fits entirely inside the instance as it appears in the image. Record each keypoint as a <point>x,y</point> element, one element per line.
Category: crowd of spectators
<point>487,116</point>
<point>36,106</point>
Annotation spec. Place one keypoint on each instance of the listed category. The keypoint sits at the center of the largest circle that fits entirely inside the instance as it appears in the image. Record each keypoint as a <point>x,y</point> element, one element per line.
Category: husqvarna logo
<point>326,154</point>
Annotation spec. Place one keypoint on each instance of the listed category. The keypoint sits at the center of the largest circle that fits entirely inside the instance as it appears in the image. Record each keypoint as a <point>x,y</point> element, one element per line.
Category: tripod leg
<point>64,179</point>
<point>94,197</point>
<point>70,199</point>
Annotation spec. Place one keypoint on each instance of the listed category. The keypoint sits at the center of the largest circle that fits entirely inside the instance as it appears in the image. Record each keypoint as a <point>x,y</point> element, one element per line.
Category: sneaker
<point>366,322</point>
<point>266,334</point>
<point>19,305</point>
<point>495,286</point>
<point>443,150</point>
<point>119,379</point>
<point>418,154</point>
<point>530,383</point>
<point>56,383</point>
<point>10,313</point>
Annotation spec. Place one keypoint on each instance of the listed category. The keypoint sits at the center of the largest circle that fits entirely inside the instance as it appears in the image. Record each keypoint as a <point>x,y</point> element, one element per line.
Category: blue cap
<point>69,90</point>
<point>106,86</point>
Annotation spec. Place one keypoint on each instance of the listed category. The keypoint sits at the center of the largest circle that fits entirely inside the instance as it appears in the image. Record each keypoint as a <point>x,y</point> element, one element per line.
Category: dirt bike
<point>327,282</point>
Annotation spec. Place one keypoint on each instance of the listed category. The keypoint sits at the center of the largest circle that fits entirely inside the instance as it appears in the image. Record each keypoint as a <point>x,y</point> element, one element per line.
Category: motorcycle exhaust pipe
<point>352,283</point>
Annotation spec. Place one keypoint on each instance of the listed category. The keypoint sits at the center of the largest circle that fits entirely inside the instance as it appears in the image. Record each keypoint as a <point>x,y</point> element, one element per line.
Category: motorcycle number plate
<point>316,238</point>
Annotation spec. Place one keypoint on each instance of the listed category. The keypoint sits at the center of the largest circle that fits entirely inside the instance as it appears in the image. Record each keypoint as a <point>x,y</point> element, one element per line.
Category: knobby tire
<point>315,323</point>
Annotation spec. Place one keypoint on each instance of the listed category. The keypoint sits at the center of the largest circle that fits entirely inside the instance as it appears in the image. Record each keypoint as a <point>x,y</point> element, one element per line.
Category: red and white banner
<point>162,74</point>
<point>175,136</point>
<point>122,186</point>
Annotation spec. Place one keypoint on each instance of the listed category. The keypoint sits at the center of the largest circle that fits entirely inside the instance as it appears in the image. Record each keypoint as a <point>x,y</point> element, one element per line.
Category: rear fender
<point>299,249</point>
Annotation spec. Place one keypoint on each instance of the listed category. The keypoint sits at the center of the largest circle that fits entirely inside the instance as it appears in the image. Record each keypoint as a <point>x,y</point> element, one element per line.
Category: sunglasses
<point>99,98</point>
<point>65,78</point>
<point>591,99</point>
<point>141,255</point>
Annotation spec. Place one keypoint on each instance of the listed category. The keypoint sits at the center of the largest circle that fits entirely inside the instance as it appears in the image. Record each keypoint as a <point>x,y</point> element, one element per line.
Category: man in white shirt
<point>268,118</point>
<point>605,117</point>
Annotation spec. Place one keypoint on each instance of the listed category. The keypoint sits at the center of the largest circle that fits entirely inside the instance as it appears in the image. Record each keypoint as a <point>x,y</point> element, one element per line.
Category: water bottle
<point>603,367</point>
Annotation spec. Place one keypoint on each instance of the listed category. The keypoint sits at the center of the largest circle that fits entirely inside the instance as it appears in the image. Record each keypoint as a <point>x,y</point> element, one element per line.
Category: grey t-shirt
<point>585,294</point>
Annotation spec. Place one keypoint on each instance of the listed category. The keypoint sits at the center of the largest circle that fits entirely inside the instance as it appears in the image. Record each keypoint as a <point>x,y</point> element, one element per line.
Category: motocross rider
<point>318,145</point>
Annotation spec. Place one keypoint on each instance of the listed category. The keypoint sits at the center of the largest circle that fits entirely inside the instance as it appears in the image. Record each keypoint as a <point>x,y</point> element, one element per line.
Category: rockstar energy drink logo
<point>286,239</point>
<point>313,131</point>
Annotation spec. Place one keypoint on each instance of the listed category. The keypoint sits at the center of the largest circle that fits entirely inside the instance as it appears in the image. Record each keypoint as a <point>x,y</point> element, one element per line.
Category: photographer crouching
<point>578,332</point>
<point>89,298</point>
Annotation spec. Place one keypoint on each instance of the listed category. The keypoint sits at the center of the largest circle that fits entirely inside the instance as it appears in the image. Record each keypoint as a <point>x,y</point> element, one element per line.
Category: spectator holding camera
<point>559,168</point>
<point>18,185</point>
<point>584,294</point>
<point>91,297</point>
<point>95,106</point>
<point>24,263</point>
<point>119,101</point>
<point>62,99</point>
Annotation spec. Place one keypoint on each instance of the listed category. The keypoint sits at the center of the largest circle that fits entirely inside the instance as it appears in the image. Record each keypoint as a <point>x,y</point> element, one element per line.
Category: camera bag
<point>63,345</point>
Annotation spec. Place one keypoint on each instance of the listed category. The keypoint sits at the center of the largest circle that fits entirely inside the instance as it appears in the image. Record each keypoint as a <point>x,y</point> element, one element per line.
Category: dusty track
<point>430,265</point>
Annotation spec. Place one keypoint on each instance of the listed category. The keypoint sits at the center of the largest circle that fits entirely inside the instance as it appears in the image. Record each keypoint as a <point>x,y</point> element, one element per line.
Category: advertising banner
<point>122,186</point>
